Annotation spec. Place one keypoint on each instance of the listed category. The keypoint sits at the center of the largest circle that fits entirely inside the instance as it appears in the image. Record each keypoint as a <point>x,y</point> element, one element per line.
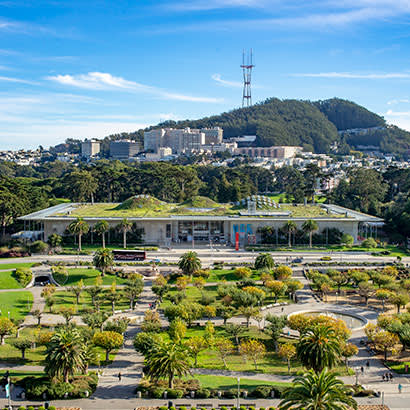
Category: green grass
<point>17,303</point>
<point>10,354</point>
<point>399,367</point>
<point>227,383</point>
<point>11,266</point>
<point>88,276</point>
<point>218,275</point>
<point>8,281</point>
<point>67,299</point>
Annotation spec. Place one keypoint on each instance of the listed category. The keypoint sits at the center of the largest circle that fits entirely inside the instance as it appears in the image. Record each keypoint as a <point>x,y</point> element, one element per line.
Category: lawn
<point>88,276</point>
<point>17,303</point>
<point>399,367</point>
<point>67,299</point>
<point>227,383</point>
<point>11,266</point>
<point>8,281</point>
<point>218,275</point>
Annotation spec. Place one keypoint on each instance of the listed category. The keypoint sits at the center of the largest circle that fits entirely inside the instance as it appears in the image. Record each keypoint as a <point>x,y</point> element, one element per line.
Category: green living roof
<point>140,206</point>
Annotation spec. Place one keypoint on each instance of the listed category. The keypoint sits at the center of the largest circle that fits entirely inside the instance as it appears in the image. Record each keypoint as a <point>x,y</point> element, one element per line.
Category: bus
<point>125,255</point>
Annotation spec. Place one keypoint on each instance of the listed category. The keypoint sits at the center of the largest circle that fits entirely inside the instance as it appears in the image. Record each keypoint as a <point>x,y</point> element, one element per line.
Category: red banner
<point>237,241</point>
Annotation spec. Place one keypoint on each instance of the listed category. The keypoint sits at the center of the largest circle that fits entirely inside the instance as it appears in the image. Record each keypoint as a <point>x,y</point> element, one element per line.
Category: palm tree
<point>290,227</point>
<point>101,227</point>
<point>103,259</point>
<point>264,260</point>
<point>321,391</point>
<point>79,227</point>
<point>65,353</point>
<point>124,226</point>
<point>169,360</point>
<point>319,348</point>
<point>309,227</point>
<point>189,263</point>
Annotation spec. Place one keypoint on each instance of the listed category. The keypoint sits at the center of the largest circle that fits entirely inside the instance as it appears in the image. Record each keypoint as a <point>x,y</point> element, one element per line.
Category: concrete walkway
<point>127,361</point>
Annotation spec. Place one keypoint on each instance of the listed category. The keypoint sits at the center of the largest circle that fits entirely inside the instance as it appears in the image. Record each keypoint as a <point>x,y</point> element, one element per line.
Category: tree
<point>95,320</point>
<point>252,350</point>
<point>22,345</point>
<point>289,227</point>
<point>386,342</point>
<point>226,312</point>
<point>79,227</point>
<point>318,348</point>
<point>189,263</point>
<point>347,240</point>
<point>188,311</point>
<point>287,351</point>
<point>233,330</point>
<point>124,226</point>
<point>37,314</point>
<point>103,259</point>
<point>133,288</point>
<point>55,240</point>
<point>113,296</point>
<point>109,341</point>
<point>145,342</point>
<point>292,286</point>
<point>83,185</point>
<point>224,347</point>
<point>282,272</point>
<point>248,312</point>
<point>77,290</point>
<point>118,324</point>
<point>67,312</point>
<point>365,290</point>
<point>65,353</point>
<point>276,287</point>
<point>317,391</point>
<point>275,326</point>
<point>264,260</point>
<point>349,350</point>
<point>196,344</point>
<point>6,328</point>
<point>242,272</point>
<point>177,330</point>
<point>101,227</point>
<point>383,295</point>
<point>168,360</point>
<point>309,227</point>
<point>182,283</point>
<point>11,206</point>
<point>95,290</point>
<point>152,321</point>
<point>399,300</point>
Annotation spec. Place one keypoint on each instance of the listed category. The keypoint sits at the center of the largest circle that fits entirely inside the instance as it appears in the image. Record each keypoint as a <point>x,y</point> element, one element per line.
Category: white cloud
<point>16,80</point>
<point>106,81</point>
<point>393,102</point>
<point>401,119</point>
<point>219,80</point>
<point>368,76</point>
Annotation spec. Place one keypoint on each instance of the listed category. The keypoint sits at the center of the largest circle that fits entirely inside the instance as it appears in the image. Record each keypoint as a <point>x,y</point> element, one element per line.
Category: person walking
<point>119,376</point>
<point>400,387</point>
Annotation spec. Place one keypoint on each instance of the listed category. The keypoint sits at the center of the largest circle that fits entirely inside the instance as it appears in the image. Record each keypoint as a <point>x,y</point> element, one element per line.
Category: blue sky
<point>88,68</point>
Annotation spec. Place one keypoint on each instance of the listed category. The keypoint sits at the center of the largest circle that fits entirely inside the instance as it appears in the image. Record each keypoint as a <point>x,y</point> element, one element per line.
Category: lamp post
<point>239,393</point>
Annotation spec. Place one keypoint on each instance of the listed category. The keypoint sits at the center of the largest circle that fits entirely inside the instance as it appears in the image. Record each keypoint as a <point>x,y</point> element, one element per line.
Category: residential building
<point>279,152</point>
<point>90,148</point>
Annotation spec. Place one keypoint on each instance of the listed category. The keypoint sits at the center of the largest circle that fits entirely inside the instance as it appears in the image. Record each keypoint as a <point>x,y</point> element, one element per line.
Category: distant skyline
<point>90,68</point>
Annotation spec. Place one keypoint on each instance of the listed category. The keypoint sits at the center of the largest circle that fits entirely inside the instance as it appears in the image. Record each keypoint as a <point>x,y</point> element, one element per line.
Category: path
<point>127,360</point>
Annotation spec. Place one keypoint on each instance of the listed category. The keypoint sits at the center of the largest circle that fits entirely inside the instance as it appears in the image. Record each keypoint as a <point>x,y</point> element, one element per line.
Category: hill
<point>315,126</point>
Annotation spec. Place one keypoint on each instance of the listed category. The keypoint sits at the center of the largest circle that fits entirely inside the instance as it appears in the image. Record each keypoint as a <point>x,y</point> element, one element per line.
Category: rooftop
<point>145,206</point>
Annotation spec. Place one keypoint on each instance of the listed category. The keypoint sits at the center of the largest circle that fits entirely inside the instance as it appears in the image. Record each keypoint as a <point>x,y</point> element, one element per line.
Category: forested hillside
<point>312,125</point>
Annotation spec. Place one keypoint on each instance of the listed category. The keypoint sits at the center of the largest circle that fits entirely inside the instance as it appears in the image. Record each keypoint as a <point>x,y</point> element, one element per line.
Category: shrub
<point>262,392</point>
<point>251,408</point>
<point>206,299</point>
<point>41,408</point>
<point>182,408</point>
<point>23,276</point>
<point>203,393</point>
<point>30,408</point>
<point>224,408</point>
<point>52,408</point>
<point>369,243</point>
<point>262,408</point>
<point>278,390</point>
<point>175,393</point>
<point>38,247</point>
<point>163,408</point>
<point>21,408</point>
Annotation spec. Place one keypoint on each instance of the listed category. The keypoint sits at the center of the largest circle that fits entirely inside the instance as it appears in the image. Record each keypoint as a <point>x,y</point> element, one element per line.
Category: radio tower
<point>247,76</point>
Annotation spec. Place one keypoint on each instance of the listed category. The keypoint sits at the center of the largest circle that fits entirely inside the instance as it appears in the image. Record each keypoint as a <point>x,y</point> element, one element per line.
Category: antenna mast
<point>247,77</point>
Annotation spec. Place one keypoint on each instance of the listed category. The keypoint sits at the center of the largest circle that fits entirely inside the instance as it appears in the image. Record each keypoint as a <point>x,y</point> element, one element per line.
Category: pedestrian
<point>362,369</point>
<point>367,364</point>
<point>119,376</point>
<point>391,376</point>
<point>384,377</point>
<point>400,387</point>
